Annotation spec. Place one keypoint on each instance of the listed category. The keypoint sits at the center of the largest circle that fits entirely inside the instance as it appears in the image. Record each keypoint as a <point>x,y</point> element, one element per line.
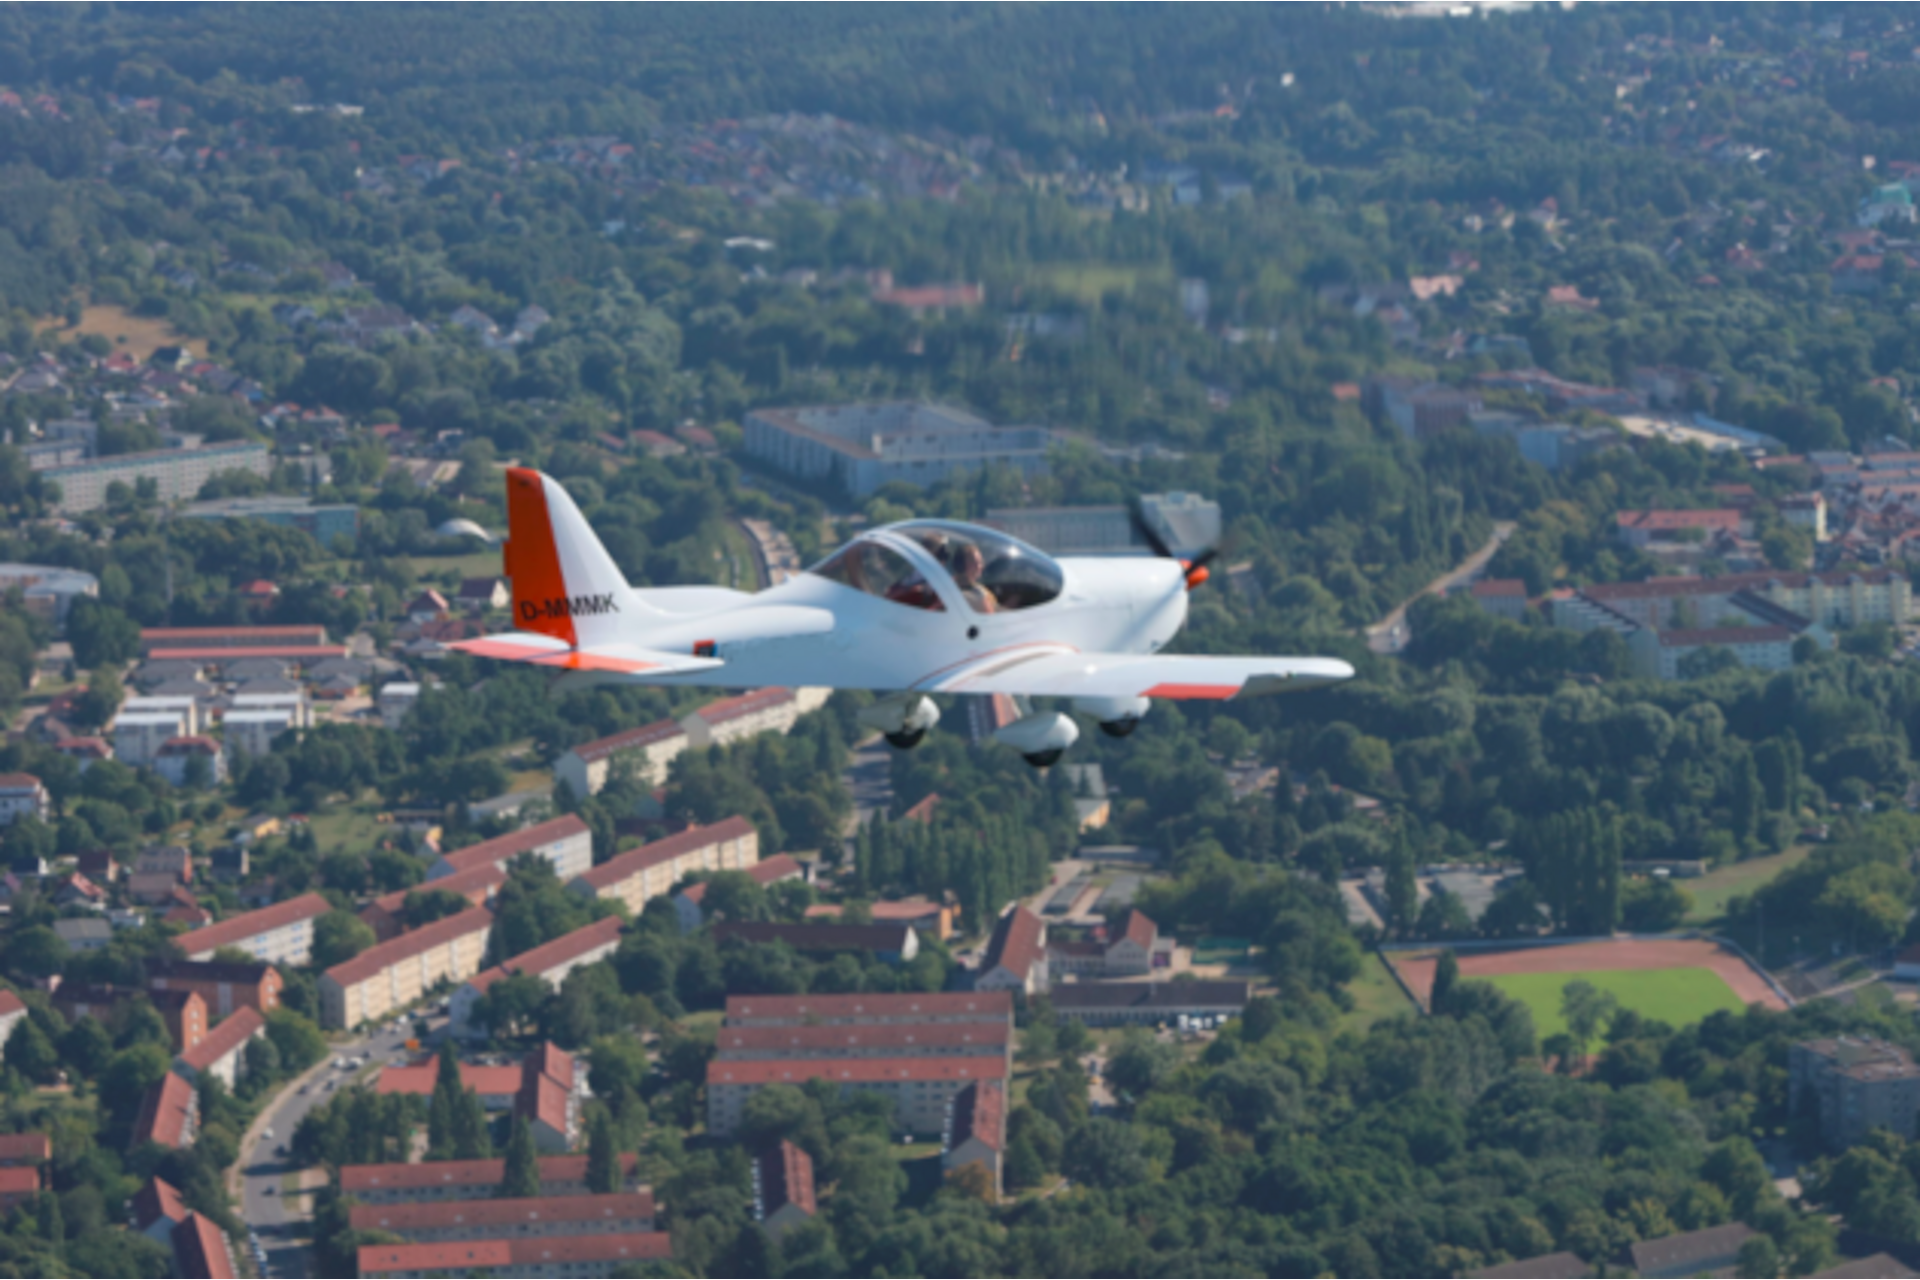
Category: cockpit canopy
<point>990,571</point>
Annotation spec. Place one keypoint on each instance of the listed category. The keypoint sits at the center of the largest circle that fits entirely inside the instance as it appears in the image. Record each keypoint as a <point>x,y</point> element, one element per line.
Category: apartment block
<point>175,473</point>
<point>976,1131</point>
<point>223,1052</point>
<point>1857,1085</point>
<point>919,1089</point>
<point>224,986</point>
<point>871,1009</point>
<point>882,1040</point>
<point>564,841</point>
<point>281,934</point>
<point>622,1213</point>
<point>748,714</point>
<point>571,1256</point>
<point>649,749</point>
<point>860,447</point>
<point>551,963</point>
<point>440,1180</point>
<point>394,974</point>
<point>638,875</point>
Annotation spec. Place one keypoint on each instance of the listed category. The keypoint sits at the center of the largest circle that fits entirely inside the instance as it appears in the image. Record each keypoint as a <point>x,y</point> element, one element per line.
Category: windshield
<point>877,569</point>
<point>993,572</point>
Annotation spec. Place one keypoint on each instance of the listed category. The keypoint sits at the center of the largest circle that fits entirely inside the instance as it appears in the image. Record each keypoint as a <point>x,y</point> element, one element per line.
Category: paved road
<point>1389,635</point>
<point>262,1170</point>
<point>870,779</point>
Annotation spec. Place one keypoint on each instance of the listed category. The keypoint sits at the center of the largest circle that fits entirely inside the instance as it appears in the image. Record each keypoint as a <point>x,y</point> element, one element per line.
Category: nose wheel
<point>1041,759</point>
<point>907,741</point>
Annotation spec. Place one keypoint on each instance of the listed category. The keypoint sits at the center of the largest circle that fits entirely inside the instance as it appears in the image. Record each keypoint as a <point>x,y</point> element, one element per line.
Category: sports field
<point>1677,997</point>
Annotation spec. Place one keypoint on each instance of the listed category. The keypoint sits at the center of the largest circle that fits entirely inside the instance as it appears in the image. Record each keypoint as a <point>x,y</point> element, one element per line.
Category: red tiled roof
<point>922,810</point>
<point>553,954</point>
<point>1727,584</point>
<point>1718,518</point>
<point>163,1116</point>
<point>356,1179</point>
<point>18,782</point>
<point>545,1252</point>
<point>1500,587</point>
<point>374,959</point>
<point>158,1199</point>
<point>628,739</point>
<point>543,1098</point>
<point>1139,930</point>
<point>631,863</point>
<point>227,636</point>
<point>786,1178</point>
<point>18,1183</point>
<point>781,866</point>
<point>222,653</point>
<point>488,1082</point>
<point>234,1030</point>
<point>25,1148</point>
<point>435,1215</point>
<point>805,1039</point>
<point>1016,943</point>
<point>947,1004</point>
<point>476,884</point>
<point>501,848</point>
<point>241,927</point>
<point>980,1111</point>
<point>200,1249</point>
<point>818,937</point>
<point>744,704</point>
<point>855,1070</point>
<point>10,1004</point>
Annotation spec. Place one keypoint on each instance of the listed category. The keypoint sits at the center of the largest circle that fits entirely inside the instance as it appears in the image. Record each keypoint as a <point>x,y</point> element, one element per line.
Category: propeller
<point>1196,567</point>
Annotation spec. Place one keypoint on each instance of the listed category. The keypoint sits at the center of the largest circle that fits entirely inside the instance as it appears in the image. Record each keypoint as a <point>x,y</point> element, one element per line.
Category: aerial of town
<point>1549,370</point>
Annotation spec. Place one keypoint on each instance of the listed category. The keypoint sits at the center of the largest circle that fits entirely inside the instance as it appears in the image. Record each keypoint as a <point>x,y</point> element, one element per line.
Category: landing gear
<point>1041,759</point>
<point>907,741</point>
<point>1119,728</point>
<point>903,718</point>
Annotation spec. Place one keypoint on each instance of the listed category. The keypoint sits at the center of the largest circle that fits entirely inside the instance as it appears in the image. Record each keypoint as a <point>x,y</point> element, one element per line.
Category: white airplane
<point>906,610</point>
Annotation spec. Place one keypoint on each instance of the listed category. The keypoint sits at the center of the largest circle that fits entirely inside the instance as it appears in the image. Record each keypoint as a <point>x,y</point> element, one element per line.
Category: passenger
<point>967,566</point>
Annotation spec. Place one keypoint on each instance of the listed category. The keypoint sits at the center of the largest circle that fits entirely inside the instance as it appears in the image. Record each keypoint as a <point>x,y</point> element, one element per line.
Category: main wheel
<point>1041,759</point>
<point>907,741</point>
<point>1119,728</point>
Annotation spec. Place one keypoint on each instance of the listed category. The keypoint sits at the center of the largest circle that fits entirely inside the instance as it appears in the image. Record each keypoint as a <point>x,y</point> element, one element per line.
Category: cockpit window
<point>879,570</point>
<point>993,572</point>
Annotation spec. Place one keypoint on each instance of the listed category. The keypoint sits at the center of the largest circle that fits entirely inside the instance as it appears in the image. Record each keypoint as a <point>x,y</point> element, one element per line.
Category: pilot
<point>967,565</point>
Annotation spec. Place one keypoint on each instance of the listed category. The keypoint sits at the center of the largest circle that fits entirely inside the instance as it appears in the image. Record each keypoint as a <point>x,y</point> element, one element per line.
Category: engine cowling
<point>903,717</point>
<point>1041,737</point>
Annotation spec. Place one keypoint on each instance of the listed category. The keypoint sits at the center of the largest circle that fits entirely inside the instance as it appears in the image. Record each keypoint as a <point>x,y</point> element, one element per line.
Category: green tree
<point>1446,976</point>
<point>603,1162</point>
<point>339,936</point>
<point>1585,1008</point>
<point>522,1177</point>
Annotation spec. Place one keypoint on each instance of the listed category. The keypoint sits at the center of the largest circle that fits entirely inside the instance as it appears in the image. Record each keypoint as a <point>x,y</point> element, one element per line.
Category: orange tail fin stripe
<point>533,562</point>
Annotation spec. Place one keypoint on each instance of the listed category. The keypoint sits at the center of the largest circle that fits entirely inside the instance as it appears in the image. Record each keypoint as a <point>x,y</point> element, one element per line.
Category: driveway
<point>1390,635</point>
<point>263,1172</point>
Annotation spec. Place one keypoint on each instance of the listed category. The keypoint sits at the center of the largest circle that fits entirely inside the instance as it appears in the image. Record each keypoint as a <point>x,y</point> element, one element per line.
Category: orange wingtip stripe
<point>593,662</point>
<point>1216,692</point>
<point>505,649</point>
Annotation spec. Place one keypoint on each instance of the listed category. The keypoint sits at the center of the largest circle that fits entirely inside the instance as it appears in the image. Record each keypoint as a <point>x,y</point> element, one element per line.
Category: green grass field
<point>1711,891</point>
<point>1375,995</point>
<point>1676,997</point>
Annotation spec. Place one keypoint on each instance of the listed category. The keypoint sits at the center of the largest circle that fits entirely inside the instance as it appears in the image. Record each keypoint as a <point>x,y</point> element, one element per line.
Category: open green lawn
<point>1375,995</point>
<point>1711,891</point>
<point>1677,997</point>
<point>474,564</point>
<point>1092,281</point>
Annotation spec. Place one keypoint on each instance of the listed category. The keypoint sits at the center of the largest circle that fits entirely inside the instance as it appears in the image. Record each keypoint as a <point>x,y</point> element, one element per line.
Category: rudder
<point>565,585</point>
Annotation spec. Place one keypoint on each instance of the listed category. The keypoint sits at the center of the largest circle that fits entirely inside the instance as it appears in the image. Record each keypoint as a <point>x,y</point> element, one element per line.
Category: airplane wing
<point>1053,672</point>
<point>548,651</point>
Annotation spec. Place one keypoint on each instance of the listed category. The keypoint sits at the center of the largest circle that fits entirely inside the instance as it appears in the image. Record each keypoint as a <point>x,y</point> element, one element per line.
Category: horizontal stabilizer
<point>558,655</point>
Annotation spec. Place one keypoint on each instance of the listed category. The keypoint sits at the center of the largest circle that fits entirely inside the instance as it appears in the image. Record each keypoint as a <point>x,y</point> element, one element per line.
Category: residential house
<point>894,943</point>
<point>439,1180</point>
<point>281,934</point>
<point>648,750</point>
<point>225,986</point>
<point>22,796</point>
<point>169,1116</point>
<point>547,1090</point>
<point>12,1009</point>
<point>976,1130</point>
<point>84,935</point>
<point>201,1251</point>
<point>223,1052</point>
<point>184,1012</point>
<point>1691,1253</point>
<point>157,1210</point>
<point>689,902</point>
<point>1016,957</point>
<point>638,875</point>
<point>551,963</point>
<point>783,1190</point>
<point>481,595</point>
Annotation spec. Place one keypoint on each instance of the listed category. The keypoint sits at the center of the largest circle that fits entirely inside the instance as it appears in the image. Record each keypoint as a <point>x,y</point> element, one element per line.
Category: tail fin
<point>565,585</point>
